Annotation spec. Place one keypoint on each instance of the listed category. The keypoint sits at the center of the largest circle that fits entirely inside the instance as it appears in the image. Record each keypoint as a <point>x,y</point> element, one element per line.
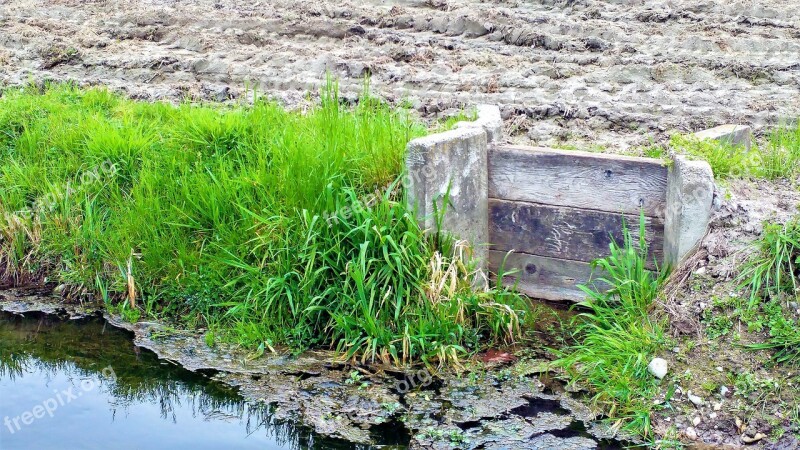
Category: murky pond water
<point>83,384</point>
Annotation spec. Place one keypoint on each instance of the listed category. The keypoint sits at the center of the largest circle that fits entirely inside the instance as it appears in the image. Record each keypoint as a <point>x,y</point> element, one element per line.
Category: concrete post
<point>735,135</point>
<point>452,163</point>
<point>690,191</point>
<point>489,120</point>
<point>456,162</point>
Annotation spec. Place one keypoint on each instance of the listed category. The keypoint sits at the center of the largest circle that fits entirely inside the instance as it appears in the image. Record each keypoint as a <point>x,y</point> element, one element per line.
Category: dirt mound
<point>606,72</point>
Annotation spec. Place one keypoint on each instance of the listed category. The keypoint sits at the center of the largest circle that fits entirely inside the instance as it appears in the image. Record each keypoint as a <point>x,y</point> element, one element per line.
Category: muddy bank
<point>727,395</point>
<point>603,73</point>
<point>503,408</point>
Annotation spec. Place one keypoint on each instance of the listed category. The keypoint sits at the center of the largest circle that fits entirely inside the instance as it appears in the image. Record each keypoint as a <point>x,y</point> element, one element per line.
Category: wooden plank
<point>578,179</point>
<point>565,233</point>
<point>541,277</point>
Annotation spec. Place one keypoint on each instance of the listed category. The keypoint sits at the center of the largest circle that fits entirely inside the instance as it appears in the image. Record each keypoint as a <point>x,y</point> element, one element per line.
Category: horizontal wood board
<point>578,179</point>
<point>566,233</point>
<point>541,277</point>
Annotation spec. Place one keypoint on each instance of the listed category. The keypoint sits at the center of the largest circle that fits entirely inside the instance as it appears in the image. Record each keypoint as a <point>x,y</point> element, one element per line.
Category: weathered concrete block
<point>453,161</point>
<point>736,135</point>
<point>690,192</point>
<point>489,120</point>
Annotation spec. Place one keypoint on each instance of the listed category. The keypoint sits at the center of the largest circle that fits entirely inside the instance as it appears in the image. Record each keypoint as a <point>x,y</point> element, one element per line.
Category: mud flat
<point>608,73</point>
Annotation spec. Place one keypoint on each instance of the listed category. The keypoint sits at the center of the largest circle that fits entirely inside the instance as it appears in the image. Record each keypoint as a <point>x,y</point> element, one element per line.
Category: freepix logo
<point>59,399</point>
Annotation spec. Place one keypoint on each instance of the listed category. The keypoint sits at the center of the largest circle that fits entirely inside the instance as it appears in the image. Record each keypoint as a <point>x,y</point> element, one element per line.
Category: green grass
<point>780,156</point>
<point>450,122</point>
<point>773,267</point>
<point>725,160</point>
<point>776,156</point>
<point>769,280</point>
<point>617,336</point>
<point>770,276</point>
<point>783,338</point>
<point>260,223</point>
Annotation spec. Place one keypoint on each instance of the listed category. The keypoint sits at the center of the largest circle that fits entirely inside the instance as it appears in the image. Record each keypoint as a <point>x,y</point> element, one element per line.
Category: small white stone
<point>696,421</point>
<point>658,367</point>
<point>700,271</point>
<point>719,369</point>
<point>698,401</point>
<point>717,406</point>
<point>691,434</point>
<point>712,416</point>
<point>723,391</point>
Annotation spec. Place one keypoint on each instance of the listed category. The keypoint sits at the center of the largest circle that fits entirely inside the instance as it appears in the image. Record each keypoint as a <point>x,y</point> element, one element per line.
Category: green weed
<point>784,334</point>
<point>450,122</point>
<point>780,156</point>
<point>771,277</point>
<point>616,339</point>
<point>261,224</point>
<point>777,156</point>
<point>725,160</point>
<point>717,325</point>
<point>773,270</point>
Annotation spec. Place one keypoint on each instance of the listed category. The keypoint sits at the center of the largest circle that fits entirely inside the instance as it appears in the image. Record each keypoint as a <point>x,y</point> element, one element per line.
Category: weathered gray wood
<point>578,179</point>
<point>542,277</point>
<point>565,233</point>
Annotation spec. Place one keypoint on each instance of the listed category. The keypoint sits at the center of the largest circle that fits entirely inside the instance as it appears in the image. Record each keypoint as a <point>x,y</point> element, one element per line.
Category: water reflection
<point>84,385</point>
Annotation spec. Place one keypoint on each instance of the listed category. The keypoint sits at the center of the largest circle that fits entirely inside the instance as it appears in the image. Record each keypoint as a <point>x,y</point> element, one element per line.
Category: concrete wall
<point>446,172</point>
<point>730,134</point>
<point>546,214</point>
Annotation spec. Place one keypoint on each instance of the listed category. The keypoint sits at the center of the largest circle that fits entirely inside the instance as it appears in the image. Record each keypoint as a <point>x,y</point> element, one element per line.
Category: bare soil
<point>610,73</point>
<point>747,399</point>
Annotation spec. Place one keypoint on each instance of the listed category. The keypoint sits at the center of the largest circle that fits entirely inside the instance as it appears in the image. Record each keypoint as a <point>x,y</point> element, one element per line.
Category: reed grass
<point>220,217</point>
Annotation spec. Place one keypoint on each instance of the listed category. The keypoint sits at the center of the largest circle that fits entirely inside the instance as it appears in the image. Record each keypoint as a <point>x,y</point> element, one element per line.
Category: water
<point>84,385</point>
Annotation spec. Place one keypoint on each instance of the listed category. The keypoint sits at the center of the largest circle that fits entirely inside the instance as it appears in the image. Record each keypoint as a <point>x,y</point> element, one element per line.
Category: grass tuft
<point>773,268</point>
<point>615,339</point>
<point>777,157</point>
<point>725,159</point>
<point>780,157</point>
<point>771,277</point>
